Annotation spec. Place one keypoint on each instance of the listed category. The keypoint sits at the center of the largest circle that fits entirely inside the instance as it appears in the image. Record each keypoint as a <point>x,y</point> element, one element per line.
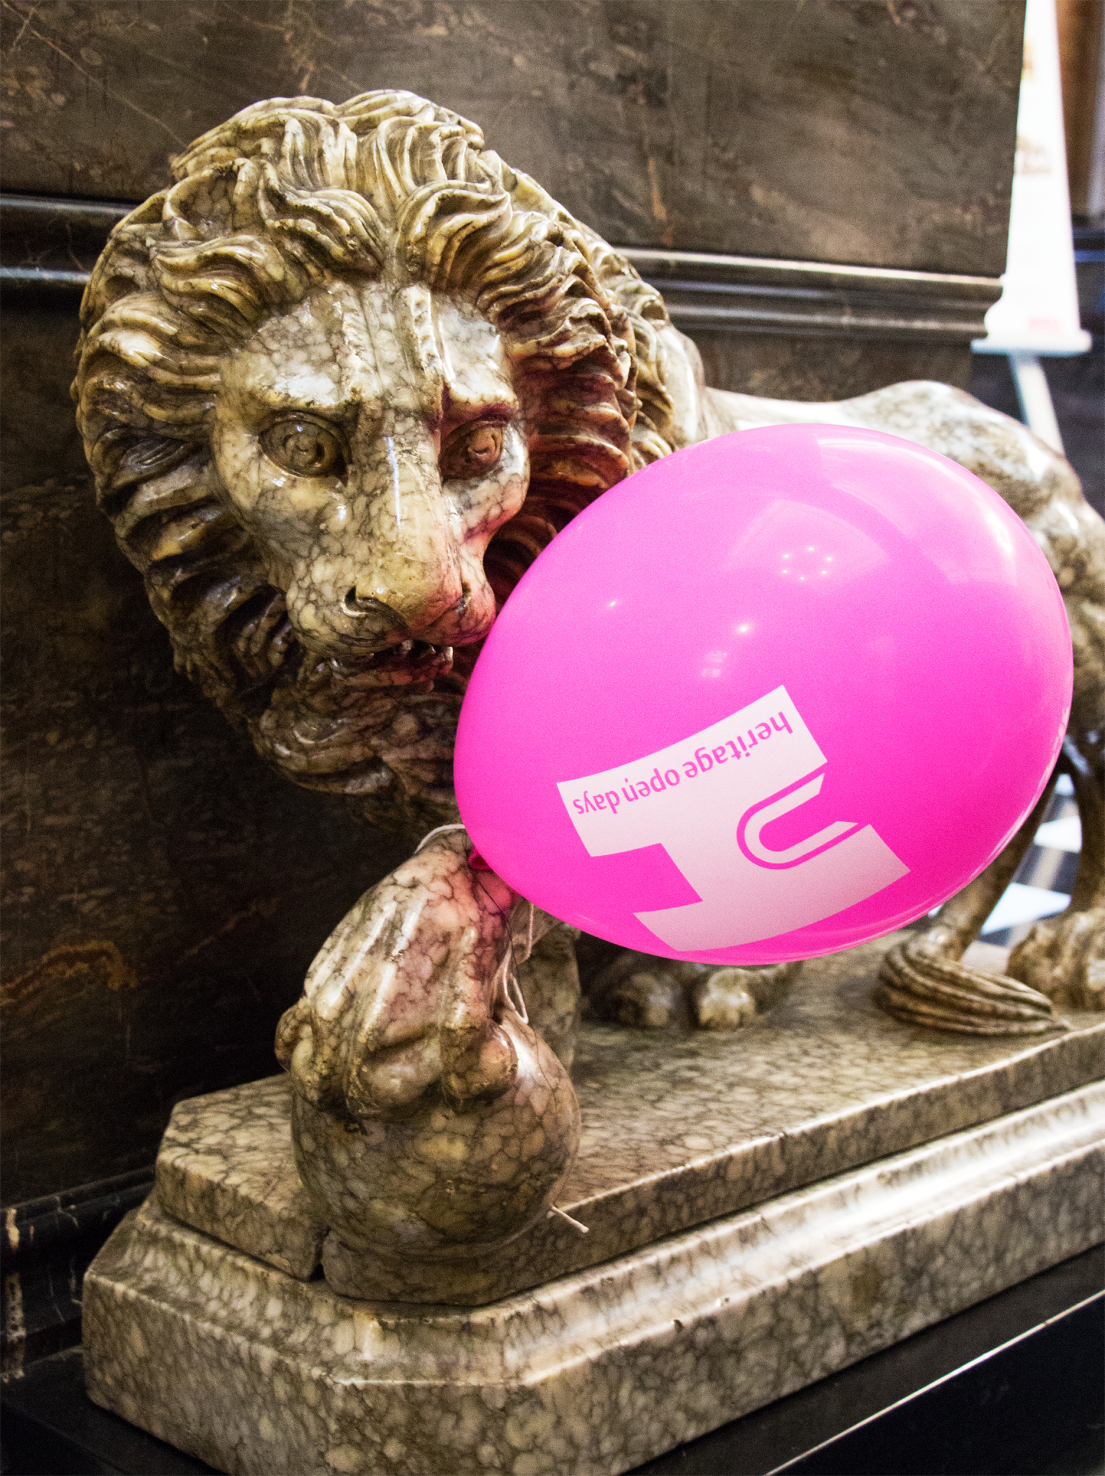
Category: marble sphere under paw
<point>447,1181</point>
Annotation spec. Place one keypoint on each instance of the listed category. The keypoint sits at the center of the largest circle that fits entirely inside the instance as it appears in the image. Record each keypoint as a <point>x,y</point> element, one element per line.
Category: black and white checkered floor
<point>1042,885</point>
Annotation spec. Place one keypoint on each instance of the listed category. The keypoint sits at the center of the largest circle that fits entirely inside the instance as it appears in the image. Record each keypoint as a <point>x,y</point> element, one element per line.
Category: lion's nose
<point>411,605</point>
<point>408,569</point>
<point>358,604</point>
<point>386,619</point>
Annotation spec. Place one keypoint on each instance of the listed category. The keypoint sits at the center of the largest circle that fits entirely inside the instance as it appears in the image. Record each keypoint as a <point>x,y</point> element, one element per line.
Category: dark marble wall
<point>164,892</point>
<point>800,367</point>
<point>872,131</point>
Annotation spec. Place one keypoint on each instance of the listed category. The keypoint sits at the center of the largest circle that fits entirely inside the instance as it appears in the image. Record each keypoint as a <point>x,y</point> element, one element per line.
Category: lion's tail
<point>920,987</point>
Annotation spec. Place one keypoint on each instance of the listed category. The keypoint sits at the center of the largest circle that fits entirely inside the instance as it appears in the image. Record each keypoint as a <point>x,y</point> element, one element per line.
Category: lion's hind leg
<point>922,981</point>
<point>1064,956</point>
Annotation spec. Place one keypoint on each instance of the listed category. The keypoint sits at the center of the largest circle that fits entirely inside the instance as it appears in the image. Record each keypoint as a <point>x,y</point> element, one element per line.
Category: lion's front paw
<point>726,999</point>
<point>648,998</point>
<point>401,999</point>
<point>721,1001</point>
<point>664,994</point>
<point>430,1118</point>
<point>1064,958</point>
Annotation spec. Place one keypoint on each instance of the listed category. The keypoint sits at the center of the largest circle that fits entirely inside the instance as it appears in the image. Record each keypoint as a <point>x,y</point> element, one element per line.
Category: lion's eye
<point>305,448</point>
<point>470,451</point>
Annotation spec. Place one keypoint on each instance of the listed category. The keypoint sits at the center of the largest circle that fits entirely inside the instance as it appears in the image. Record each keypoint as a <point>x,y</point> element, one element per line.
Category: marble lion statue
<point>339,385</point>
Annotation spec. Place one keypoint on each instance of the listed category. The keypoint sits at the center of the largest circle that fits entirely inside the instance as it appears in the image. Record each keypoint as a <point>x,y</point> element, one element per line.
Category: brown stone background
<point>872,131</point>
<point>164,893</point>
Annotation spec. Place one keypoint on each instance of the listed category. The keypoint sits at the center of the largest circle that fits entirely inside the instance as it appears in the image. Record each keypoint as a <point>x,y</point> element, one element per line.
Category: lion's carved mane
<point>285,196</point>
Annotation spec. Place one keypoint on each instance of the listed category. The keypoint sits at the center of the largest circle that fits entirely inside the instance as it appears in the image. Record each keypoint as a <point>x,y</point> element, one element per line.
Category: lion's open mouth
<point>410,663</point>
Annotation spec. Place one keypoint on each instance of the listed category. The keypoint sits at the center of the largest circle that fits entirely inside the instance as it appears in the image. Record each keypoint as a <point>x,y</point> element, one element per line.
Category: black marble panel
<point>40,438</point>
<point>164,892</point>
<point>834,130</point>
<point>808,367</point>
<point>46,1247</point>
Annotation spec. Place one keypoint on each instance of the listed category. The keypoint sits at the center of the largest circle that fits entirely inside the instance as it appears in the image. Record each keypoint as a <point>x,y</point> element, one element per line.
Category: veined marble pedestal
<point>763,1209</point>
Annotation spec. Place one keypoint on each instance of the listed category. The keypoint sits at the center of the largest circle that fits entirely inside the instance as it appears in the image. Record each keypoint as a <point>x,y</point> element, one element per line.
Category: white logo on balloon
<point>707,800</point>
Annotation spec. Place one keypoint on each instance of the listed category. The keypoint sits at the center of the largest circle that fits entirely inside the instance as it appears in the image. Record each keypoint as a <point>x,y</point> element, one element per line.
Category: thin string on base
<point>583,1229</point>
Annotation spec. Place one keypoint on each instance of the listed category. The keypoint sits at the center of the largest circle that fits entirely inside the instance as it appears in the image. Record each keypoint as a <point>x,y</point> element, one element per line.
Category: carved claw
<point>1064,958</point>
<point>921,987</point>
<point>649,999</point>
<point>660,994</point>
<point>728,998</point>
<point>401,996</point>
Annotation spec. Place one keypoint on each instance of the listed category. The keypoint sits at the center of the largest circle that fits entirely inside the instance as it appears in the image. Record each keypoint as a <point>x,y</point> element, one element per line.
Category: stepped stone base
<point>677,1130</point>
<point>762,1209</point>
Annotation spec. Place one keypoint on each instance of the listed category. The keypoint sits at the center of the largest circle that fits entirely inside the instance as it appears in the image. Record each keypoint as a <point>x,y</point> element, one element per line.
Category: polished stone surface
<point>1013,1379</point>
<point>852,133</point>
<point>431,1118</point>
<point>677,1129</point>
<point>226,1160</point>
<point>270,1374</point>
<point>334,412</point>
<point>45,1247</point>
<point>164,892</point>
<point>145,845</point>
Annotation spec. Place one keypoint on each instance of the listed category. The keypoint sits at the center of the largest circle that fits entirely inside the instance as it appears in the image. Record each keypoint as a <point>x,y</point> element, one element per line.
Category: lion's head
<point>339,385</point>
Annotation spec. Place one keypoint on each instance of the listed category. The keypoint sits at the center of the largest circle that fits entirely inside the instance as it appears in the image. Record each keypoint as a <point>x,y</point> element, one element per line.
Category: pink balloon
<point>774,695</point>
